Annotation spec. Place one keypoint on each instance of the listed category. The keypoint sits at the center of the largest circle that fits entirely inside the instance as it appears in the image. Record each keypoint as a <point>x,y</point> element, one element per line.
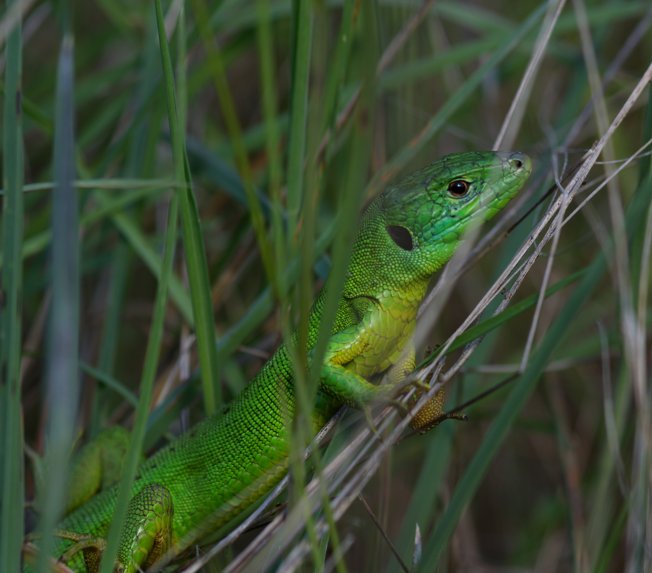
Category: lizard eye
<point>401,236</point>
<point>458,188</point>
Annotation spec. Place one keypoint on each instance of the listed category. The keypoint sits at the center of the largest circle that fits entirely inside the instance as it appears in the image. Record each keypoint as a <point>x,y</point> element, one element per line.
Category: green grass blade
<point>139,242</point>
<point>272,134</point>
<point>63,353</point>
<point>514,310</point>
<point>111,383</point>
<point>152,355</point>
<point>232,121</point>
<point>11,440</point>
<point>193,243</point>
<point>302,51</point>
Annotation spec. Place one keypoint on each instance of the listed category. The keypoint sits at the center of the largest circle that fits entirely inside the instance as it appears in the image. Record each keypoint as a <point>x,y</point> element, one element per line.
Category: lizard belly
<point>386,334</point>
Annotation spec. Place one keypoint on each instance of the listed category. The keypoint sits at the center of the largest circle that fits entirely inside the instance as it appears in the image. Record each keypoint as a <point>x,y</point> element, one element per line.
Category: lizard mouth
<point>506,180</point>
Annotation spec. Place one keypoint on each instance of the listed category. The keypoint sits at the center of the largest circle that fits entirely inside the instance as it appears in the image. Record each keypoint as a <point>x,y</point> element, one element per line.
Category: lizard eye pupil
<point>458,188</point>
<point>401,236</point>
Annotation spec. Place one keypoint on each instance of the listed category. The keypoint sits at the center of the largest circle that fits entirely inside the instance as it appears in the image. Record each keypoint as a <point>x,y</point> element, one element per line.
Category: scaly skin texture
<point>213,474</point>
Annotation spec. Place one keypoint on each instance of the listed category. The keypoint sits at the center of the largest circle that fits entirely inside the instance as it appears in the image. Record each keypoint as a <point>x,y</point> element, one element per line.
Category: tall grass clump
<point>178,180</point>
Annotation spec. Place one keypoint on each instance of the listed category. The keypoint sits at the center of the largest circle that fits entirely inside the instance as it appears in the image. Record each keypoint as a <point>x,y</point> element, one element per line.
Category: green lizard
<point>210,476</point>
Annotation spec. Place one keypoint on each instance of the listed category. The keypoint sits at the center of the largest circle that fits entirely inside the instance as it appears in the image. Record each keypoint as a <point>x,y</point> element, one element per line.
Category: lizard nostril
<point>517,163</point>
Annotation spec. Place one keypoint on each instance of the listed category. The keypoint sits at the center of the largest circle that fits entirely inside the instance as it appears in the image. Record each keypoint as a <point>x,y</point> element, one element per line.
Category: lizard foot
<point>91,547</point>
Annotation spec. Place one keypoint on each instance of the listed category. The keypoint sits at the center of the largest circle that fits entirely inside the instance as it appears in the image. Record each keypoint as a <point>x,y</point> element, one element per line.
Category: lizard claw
<point>370,421</point>
<point>459,416</point>
<point>402,408</point>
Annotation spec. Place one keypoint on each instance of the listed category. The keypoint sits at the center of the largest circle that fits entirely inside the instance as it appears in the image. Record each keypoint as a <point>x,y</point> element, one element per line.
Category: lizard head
<point>411,229</point>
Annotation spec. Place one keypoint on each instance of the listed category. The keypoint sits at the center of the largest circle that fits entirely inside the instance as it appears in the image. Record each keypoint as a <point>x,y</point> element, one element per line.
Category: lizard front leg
<point>354,390</point>
<point>146,534</point>
<point>343,383</point>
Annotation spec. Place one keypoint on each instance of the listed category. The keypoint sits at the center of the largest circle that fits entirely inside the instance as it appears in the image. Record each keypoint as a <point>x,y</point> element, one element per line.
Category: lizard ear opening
<point>401,236</point>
